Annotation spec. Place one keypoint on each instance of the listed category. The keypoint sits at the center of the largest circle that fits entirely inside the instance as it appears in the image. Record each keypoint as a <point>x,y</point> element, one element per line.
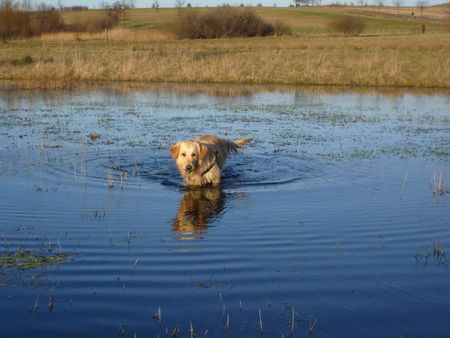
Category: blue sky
<point>203,3</point>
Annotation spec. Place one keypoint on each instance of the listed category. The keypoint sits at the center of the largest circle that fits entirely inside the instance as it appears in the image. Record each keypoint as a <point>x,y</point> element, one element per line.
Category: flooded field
<point>334,222</point>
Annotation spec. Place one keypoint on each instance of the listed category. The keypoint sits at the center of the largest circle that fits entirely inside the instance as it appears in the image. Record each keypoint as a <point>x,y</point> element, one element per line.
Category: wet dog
<point>201,160</point>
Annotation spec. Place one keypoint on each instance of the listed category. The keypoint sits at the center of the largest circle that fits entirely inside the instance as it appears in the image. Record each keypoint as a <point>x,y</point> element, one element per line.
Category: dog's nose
<point>188,167</point>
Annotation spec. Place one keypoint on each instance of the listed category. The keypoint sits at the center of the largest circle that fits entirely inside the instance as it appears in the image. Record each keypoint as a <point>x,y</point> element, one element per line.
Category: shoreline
<point>216,89</point>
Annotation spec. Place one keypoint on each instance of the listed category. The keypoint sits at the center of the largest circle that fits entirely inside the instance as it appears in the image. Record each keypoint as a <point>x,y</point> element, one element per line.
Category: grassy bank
<point>391,53</point>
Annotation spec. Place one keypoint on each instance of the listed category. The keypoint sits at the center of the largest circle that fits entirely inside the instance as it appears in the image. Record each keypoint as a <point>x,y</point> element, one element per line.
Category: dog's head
<point>188,156</point>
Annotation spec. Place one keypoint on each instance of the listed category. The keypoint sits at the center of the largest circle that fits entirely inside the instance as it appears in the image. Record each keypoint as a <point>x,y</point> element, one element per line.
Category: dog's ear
<point>175,150</point>
<point>203,151</point>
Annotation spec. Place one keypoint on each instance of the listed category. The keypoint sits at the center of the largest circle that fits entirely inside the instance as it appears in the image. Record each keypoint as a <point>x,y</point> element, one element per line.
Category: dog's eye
<point>194,154</point>
<point>183,154</point>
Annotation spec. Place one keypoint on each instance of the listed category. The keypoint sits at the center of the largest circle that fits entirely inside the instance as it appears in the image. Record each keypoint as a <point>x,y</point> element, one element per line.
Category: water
<point>328,214</point>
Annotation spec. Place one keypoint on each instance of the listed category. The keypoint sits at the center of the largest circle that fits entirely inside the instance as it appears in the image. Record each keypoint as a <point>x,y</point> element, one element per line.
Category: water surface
<point>328,215</point>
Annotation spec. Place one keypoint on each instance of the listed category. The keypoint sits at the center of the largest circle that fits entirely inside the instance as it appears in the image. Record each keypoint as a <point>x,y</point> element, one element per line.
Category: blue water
<point>328,214</point>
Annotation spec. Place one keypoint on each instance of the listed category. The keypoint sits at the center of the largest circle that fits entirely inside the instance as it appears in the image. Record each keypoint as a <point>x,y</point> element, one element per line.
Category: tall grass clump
<point>225,22</point>
<point>349,25</point>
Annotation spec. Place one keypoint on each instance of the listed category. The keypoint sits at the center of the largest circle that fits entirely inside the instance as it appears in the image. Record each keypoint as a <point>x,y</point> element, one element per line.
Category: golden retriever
<point>200,161</point>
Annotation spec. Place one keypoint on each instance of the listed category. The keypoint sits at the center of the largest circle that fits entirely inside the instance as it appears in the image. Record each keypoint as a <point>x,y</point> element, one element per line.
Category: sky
<point>212,3</point>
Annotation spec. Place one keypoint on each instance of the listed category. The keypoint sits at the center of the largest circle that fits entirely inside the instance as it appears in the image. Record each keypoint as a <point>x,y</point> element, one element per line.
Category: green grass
<point>312,20</point>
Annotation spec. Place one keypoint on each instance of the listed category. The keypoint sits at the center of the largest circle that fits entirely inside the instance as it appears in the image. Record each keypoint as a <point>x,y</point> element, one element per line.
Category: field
<point>392,51</point>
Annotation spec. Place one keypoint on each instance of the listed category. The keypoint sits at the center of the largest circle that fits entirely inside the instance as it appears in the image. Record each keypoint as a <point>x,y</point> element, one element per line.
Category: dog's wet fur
<point>201,160</point>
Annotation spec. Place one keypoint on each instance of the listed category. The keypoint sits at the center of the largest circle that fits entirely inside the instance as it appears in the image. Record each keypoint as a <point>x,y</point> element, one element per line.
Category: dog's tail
<point>238,144</point>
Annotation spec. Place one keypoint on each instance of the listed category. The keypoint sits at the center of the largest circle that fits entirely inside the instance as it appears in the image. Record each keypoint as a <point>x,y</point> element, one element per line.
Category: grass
<point>437,252</point>
<point>309,20</point>
<point>31,259</point>
<point>391,52</point>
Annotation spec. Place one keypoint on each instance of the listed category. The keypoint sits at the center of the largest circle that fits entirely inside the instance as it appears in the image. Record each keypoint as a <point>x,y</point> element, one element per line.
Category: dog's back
<point>228,145</point>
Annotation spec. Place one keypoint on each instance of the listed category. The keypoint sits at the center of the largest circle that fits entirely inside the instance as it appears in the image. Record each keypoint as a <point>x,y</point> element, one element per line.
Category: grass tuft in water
<point>32,259</point>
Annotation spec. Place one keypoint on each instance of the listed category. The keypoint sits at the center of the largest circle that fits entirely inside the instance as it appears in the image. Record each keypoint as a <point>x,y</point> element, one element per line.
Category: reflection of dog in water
<point>200,161</point>
<point>197,209</point>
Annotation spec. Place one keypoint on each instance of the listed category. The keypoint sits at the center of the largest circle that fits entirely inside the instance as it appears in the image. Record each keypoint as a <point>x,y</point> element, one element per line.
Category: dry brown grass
<point>115,34</point>
<point>255,61</point>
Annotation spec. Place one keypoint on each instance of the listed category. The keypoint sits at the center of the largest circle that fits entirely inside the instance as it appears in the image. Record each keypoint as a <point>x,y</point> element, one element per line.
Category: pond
<point>333,222</point>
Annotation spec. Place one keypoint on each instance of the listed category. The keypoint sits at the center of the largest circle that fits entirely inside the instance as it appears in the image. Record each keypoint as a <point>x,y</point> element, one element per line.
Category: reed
<point>260,321</point>
<point>36,302</point>
<point>438,183</point>
<point>191,330</point>
<point>110,179</point>
<point>292,321</point>
<point>312,325</point>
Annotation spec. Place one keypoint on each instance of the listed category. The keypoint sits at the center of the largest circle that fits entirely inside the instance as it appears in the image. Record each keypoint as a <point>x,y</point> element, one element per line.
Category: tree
<point>398,3</point>
<point>46,20</point>
<point>26,6</point>
<point>379,3</point>
<point>180,3</point>
<point>114,13</point>
<point>13,22</point>
<point>155,4</point>
<point>299,3</point>
<point>421,4</point>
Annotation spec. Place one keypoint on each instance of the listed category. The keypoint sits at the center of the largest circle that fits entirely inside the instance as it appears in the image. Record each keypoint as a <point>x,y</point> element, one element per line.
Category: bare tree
<point>379,3</point>
<point>26,6</point>
<point>398,3</point>
<point>421,4</point>
<point>180,3</point>
<point>155,4</point>
<point>13,22</point>
<point>114,14</point>
<point>299,3</point>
